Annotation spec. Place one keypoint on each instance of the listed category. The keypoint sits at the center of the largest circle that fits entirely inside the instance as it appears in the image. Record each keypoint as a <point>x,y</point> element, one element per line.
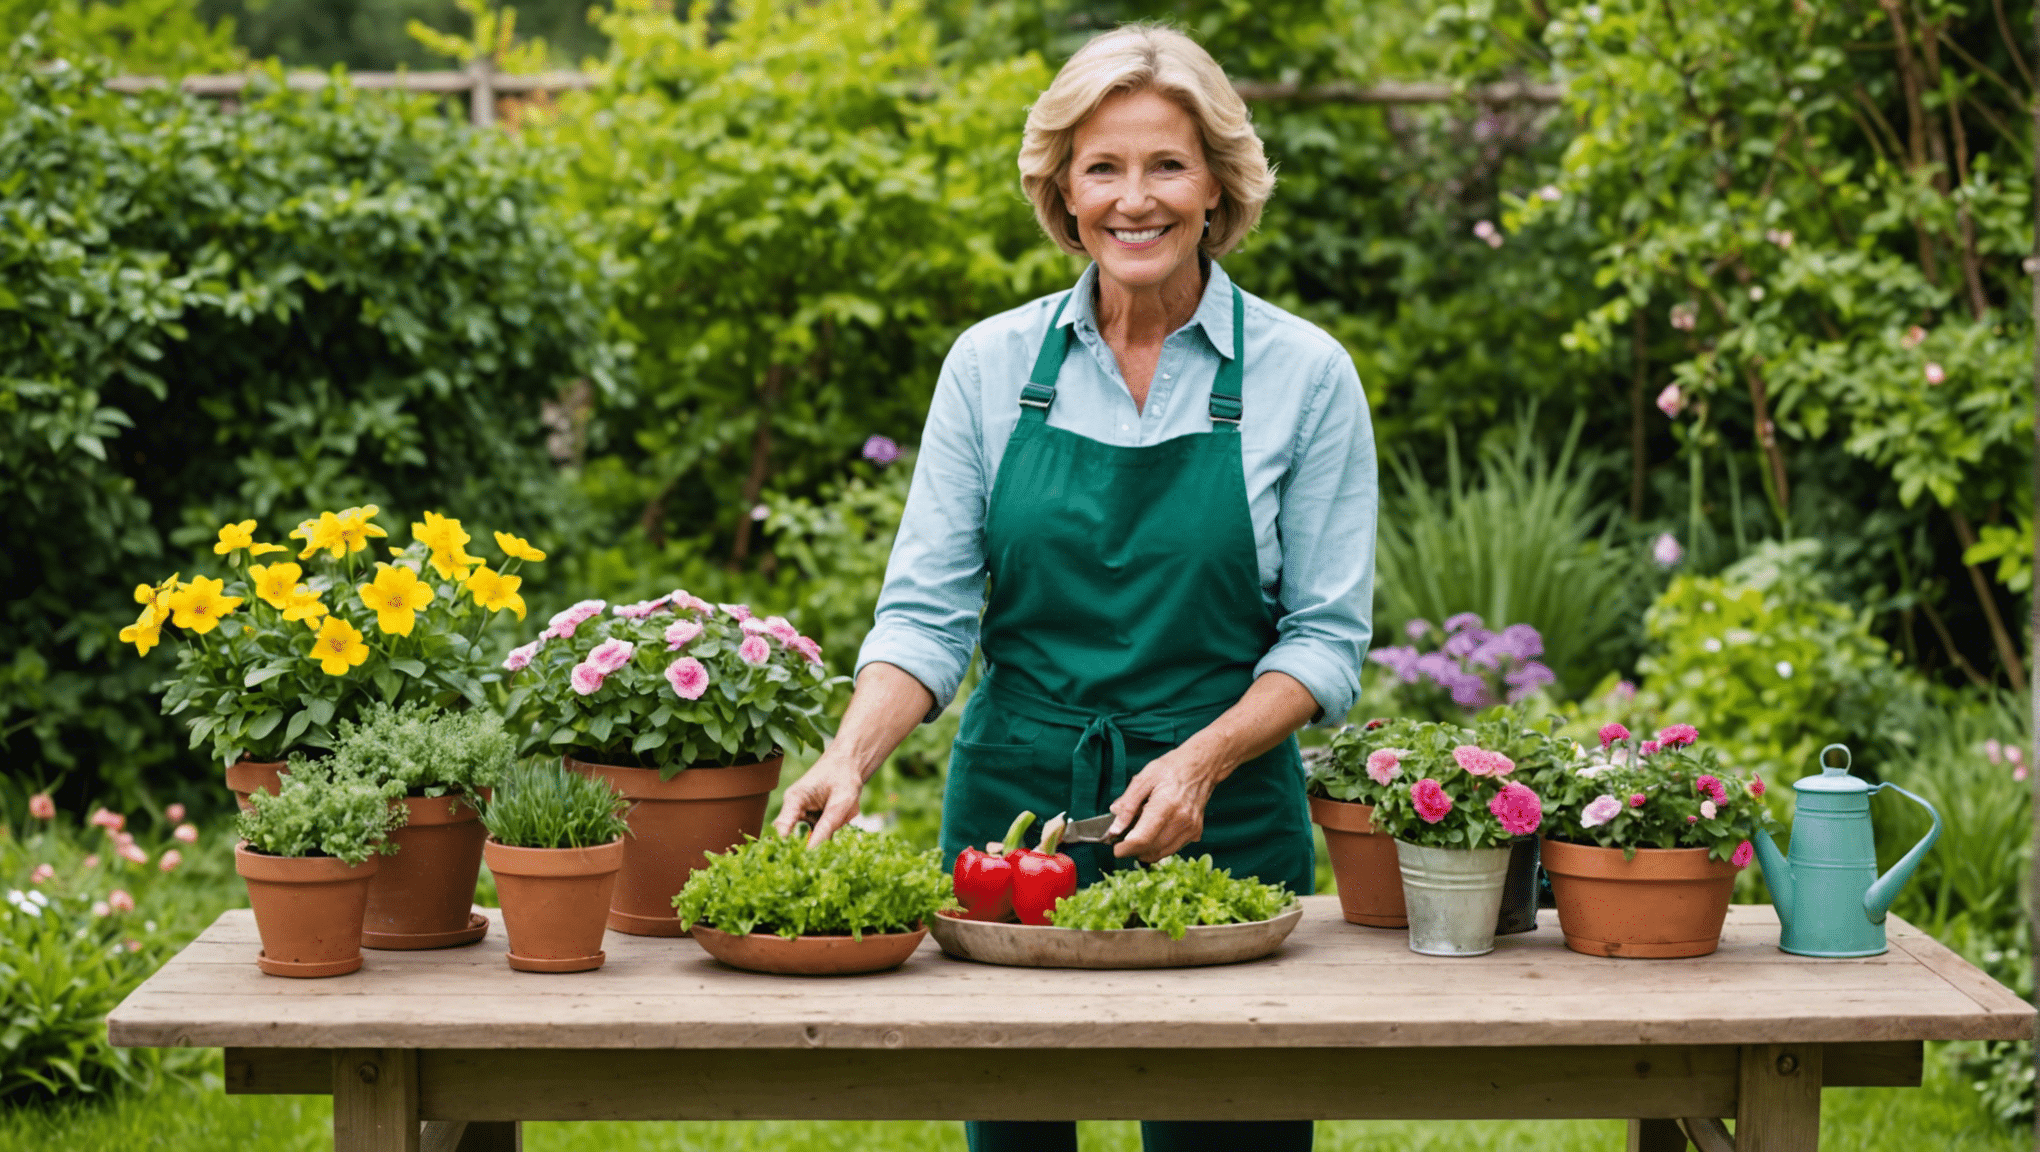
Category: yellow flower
<point>448,544</point>
<point>304,605</point>
<point>145,633</point>
<point>355,527</point>
<point>242,535</point>
<point>157,596</point>
<point>276,584</point>
<point>321,533</point>
<point>396,595</point>
<point>338,647</point>
<point>517,548</point>
<point>495,591</point>
<point>199,605</point>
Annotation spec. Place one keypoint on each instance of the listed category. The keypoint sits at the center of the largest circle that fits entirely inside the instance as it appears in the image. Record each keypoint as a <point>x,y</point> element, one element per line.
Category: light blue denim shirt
<point>1306,442</point>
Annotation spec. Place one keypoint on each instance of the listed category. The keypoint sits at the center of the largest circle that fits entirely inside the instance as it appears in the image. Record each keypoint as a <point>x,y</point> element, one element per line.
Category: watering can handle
<point>1877,901</point>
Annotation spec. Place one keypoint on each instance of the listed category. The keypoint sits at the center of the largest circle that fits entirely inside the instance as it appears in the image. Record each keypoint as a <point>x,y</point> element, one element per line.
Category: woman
<point>1171,487</point>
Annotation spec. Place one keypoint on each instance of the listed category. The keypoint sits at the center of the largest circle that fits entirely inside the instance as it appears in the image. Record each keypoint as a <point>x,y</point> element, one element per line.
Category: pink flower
<point>1385,764</point>
<point>681,599</point>
<point>1610,733</point>
<point>91,861</point>
<point>681,633</point>
<point>754,650</point>
<point>586,679</point>
<point>1756,787</point>
<point>1684,317</point>
<point>688,678</point>
<point>2019,774</point>
<point>2014,753</point>
<point>1481,762</point>
<point>1666,551</point>
<point>1485,230</point>
<point>1623,689</point>
<point>174,813</point>
<point>111,821</point>
<point>520,657</point>
<point>133,945</point>
<point>1780,237</point>
<point>42,807</point>
<point>186,834</point>
<point>42,872</point>
<point>1636,799</point>
<point>132,853</point>
<point>1710,787</point>
<point>1519,809</point>
<point>808,649</point>
<point>1671,401</point>
<point>779,629</point>
<point>1914,337</point>
<point>1550,192</point>
<point>99,908</point>
<point>752,627</point>
<point>170,860</point>
<point>611,655</point>
<point>120,901</point>
<point>881,450</point>
<point>1431,801</point>
<point>1677,736</point>
<point>1935,373</point>
<point>1692,819</point>
<point>738,612</point>
<point>639,610</point>
<point>1649,747</point>
<point>1707,810</point>
<point>1744,853</point>
<point>563,623</point>
<point>1598,811</point>
<point>1992,751</point>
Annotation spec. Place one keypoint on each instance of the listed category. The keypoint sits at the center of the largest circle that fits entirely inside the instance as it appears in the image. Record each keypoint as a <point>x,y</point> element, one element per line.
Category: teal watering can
<point>1830,899</point>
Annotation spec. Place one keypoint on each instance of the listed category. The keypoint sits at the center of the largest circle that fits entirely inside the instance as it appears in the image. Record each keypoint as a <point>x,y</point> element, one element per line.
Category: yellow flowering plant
<point>278,651</point>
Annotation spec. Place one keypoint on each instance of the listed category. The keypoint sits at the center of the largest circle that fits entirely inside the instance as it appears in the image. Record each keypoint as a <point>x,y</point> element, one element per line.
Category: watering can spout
<point>1877,901</point>
<point>1777,875</point>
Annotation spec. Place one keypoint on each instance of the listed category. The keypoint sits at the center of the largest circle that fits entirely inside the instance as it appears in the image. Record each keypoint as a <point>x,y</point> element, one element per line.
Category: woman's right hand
<point>885,707</point>
<point>825,796</point>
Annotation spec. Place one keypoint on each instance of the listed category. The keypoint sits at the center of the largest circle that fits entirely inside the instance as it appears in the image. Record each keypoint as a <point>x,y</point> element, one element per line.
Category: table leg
<point>492,1136</point>
<point>375,1100</point>
<point>1656,1136</point>
<point>1778,1104</point>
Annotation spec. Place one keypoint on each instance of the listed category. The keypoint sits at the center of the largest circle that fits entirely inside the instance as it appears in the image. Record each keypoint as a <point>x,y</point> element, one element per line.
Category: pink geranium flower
<point>1677,736</point>
<point>42,807</point>
<point>1744,853</point>
<point>586,679</point>
<point>681,633</point>
<point>688,678</point>
<point>1636,799</point>
<point>1610,733</point>
<point>611,655</point>
<point>42,872</point>
<point>170,860</point>
<point>1599,811</point>
<point>1519,809</point>
<point>1710,787</point>
<point>754,650</point>
<point>779,629</point>
<point>174,813</point>
<point>1757,787</point>
<point>808,649</point>
<point>1649,748</point>
<point>1431,801</point>
<point>520,657</point>
<point>738,612</point>
<point>1385,764</point>
<point>120,901</point>
<point>1481,762</point>
<point>186,834</point>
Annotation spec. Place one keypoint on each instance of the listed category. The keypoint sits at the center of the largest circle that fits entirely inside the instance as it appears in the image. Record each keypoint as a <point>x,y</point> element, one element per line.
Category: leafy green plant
<point>1341,774</point>
<point>853,883</point>
<point>318,812</point>
<point>1171,895</point>
<point>1442,790</point>
<point>425,752</point>
<point>539,804</point>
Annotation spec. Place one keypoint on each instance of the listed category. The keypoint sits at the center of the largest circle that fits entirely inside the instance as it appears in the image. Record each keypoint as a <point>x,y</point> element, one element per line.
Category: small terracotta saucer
<point>477,927</point>
<point>571,964</point>
<point>631,924</point>
<point>307,970</point>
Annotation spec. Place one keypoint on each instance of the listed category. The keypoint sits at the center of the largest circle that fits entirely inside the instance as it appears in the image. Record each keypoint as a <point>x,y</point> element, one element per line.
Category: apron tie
<point>1099,758</point>
<point>1089,769</point>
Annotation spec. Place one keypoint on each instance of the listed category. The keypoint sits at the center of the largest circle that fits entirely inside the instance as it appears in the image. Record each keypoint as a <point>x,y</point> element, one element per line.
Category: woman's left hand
<point>1162,808</point>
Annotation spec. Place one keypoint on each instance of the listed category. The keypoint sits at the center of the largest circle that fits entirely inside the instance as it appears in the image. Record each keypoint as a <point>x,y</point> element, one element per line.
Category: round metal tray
<point>1042,946</point>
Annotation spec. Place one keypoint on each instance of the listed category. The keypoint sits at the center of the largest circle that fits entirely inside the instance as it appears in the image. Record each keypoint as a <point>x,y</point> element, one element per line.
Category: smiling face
<point>1140,187</point>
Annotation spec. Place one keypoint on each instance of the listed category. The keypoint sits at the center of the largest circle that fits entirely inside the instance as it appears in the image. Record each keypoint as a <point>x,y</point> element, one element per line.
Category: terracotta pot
<point>1363,863</point>
<point>423,897</point>
<point>674,824</point>
<point>809,955</point>
<point>246,777</point>
<point>307,910</point>
<point>1665,902</point>
<point>553,903</point>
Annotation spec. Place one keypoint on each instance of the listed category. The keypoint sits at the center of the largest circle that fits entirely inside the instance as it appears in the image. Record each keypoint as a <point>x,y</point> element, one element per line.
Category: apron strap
<point>1226,408</point>
<point>1039,393</point>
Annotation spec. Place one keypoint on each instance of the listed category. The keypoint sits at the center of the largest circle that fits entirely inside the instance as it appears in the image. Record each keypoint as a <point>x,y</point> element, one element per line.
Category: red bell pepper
<point>1043,876</point>
<point>984,880</point>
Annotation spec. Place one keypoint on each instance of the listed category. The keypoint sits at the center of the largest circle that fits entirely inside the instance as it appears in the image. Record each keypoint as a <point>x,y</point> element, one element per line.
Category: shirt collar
<point>1214,312</point>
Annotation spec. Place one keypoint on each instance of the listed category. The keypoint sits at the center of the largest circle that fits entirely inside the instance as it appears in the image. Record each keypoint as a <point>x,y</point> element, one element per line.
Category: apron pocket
<point>989,784</point>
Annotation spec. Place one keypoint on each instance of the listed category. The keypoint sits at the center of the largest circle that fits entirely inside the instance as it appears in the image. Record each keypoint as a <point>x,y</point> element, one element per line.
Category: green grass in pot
<point>855,883</point>
<point>541,805</point>
<point>321,812</point>
<point>423,751</point>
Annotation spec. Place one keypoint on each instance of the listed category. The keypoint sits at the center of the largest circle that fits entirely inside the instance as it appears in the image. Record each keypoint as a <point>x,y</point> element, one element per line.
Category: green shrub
<point>854,883</point>
<point>426,752</point>
<point>319,812</point>
<point>540,804</point>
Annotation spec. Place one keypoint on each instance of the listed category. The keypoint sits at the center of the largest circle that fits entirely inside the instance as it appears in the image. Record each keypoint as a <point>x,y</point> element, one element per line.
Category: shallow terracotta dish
<point>1045,946</point>
<point>809,955</point>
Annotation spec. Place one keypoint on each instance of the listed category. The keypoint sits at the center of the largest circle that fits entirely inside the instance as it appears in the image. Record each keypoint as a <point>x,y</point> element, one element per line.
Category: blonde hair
<point>1137,58</point>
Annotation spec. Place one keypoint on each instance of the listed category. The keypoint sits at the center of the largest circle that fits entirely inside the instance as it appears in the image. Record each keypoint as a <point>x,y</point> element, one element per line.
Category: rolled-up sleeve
<point>1327,520</point>
<point>927,619</point>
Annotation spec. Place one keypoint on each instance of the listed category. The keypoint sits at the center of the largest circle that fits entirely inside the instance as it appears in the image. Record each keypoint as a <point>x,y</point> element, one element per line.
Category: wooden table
<point>452,1048</point>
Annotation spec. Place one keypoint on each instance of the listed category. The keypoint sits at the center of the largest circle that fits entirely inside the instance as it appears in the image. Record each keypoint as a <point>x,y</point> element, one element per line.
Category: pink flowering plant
<point>1451,793</point>
<point>1662,792</point>
<point>670,683</point>
<point>1364,760</point>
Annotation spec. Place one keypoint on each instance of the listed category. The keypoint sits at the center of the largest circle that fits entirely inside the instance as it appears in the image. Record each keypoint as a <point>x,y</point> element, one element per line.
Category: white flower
<point>1756,292</point>
<point>1666,551</point>
<point>1712,644</point>
<point>1785,669</point>
<point>1707,809</point>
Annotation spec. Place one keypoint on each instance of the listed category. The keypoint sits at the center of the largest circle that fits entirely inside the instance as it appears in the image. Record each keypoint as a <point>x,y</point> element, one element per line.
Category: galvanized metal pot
<point>1454,896</point>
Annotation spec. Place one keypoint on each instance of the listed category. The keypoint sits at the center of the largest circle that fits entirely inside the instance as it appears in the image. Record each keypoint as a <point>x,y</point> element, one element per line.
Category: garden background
<point>1715,367</point>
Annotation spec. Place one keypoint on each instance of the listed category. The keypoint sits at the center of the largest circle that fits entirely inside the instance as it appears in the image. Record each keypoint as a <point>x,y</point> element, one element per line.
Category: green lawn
<point>1940,1115</point>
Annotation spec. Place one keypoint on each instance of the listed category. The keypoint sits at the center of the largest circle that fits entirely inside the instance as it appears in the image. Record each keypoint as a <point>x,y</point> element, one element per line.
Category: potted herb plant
<point>1643,843</point>
<point>555,844</point>
<point>1343,786</point>
<point>308,853</point>
<point>687,709</point>
<point>278,650</point>
<point>858,902</point>
<point>437,766</point>
<point>1452,811</point>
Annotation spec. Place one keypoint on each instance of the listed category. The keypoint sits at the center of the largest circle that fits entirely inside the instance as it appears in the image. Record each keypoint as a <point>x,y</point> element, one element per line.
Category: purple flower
<point>1666,551</point>
<point>881,450</point>
<point>1401,660</point>
<point>1471,691</point>
<point>1522,641</point>
<point>1462,621</point>
<point>1417,629</point>
<point>1467,641</point>
<point>1525,681</point>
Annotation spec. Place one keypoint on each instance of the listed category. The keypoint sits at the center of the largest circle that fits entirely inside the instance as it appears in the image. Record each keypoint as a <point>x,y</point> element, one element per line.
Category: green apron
<point>1125,615</point>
